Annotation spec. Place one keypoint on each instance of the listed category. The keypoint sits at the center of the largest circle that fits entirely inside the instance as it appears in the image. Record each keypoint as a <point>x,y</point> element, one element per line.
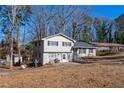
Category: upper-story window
<point>52,43</point>
<point>66,43</point>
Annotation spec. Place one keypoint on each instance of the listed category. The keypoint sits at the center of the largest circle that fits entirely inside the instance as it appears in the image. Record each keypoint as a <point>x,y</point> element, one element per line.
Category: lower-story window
<point>63,56</point>
<point>90,50</point>
<point>82,51</point>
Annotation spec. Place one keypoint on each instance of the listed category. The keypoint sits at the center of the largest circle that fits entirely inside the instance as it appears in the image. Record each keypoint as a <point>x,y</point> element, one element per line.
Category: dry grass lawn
<point>84,75</point>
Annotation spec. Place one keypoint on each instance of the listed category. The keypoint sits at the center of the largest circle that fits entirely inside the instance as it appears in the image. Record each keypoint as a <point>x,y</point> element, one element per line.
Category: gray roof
<point>83,45</point>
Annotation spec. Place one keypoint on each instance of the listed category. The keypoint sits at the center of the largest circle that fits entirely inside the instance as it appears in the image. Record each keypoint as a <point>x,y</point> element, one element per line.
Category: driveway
<point>4,72</point>
<point>59,65</point>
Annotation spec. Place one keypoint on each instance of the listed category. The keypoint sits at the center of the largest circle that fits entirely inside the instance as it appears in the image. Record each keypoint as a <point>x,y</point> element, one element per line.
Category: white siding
<point>16,59</point>
<point>103,48</point>
<point>77,56</point>
<point>87,53</point>
<point>59,56</point>
<point>58,51</point>
<point>58,48</point>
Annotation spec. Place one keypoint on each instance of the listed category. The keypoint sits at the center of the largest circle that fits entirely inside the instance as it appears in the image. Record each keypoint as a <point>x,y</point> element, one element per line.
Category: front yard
<point>68,75</point>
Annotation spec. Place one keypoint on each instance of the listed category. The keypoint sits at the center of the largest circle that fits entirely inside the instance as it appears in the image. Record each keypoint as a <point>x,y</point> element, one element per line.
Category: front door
<point>64,57</point>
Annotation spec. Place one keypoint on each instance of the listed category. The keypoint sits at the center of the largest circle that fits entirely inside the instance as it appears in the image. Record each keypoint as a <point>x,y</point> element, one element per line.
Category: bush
<point>104,53</point>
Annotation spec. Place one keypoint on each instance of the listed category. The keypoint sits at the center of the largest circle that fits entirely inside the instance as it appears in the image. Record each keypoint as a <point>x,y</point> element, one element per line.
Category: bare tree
<point>79,22</point>
<point>14,17</point>
<point>63,17</point>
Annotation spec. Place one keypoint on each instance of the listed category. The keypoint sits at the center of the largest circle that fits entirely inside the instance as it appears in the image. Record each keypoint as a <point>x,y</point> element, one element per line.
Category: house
<point>82,49</point>
<point>60,47</point>
<point>113,47</point>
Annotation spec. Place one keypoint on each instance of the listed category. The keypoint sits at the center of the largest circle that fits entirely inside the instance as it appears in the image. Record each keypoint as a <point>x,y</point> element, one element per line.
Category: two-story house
<point>58,46</point>
<point>62,48</point>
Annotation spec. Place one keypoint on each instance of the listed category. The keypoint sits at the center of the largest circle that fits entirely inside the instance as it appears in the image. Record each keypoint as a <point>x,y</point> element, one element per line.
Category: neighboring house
<point>60,47</point>
<point>82,49</point>
<point>108,46</point>
<point>15,58</point>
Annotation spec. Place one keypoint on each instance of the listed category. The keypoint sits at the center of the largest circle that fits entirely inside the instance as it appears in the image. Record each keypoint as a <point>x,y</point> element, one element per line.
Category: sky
<point>110,11</point>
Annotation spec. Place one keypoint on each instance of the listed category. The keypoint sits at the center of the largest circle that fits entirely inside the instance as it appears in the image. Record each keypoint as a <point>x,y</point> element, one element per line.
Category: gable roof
<point>59,34</point>
<point>83,44</point>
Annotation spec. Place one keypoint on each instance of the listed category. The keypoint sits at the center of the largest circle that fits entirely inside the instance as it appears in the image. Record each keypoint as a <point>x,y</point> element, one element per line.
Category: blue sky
<point>110,11</point>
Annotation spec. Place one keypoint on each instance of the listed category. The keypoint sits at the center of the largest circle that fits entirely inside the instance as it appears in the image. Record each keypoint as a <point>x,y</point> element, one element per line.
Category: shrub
<point>104,53</point>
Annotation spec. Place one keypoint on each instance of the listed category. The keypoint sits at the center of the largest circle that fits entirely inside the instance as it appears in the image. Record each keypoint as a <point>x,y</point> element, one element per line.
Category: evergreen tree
<point>85,36</point>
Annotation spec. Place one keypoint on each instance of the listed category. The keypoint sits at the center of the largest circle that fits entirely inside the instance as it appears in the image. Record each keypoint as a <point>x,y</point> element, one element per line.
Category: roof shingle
<point>83,45</point>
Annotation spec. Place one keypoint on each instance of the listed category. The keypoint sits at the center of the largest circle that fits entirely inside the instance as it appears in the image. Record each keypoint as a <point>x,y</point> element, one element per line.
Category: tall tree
<point>86,36</point>
<point>63,17</point>
<point>103,27</point>
<point>13,17</point>
<point>119,34</point>
<point>79,24</point>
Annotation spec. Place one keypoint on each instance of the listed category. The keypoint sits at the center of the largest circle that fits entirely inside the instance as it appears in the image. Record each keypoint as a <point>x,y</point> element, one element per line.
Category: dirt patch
<point>85,75</point>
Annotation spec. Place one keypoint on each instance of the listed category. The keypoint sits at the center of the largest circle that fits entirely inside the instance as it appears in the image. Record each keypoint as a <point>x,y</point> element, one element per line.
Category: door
<point>64,57</point>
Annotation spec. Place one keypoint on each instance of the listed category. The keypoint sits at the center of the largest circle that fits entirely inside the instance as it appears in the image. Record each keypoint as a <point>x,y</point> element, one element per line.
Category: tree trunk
<point>24,39</point>
<point>10,42</point>
<point>18,44</point>
<point>15,24</point>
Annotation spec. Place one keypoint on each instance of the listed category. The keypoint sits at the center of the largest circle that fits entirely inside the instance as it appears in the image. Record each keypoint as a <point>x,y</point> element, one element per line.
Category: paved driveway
<point>4,72</point>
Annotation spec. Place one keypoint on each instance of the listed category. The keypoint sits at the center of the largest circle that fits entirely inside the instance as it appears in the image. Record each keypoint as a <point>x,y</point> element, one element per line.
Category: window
<point>82,51</point>
<point>79,51</point>
<point>90,50</point>
<point>63,56</point>
<point>66,43</point>
<point>39,43</point>
<point>52,43</point>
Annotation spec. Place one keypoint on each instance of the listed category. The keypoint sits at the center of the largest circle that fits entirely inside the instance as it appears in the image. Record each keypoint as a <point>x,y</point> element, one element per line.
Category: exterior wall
<point>94,52</point>
<point>58,48</point>
<point>48,59</point>
<point>43,52</point>
<point>77,56</point>
<point>87,53</point>
<point>103,48</point>
<point>16,59</point>
<point>47,54</point>
<point>38,51</point>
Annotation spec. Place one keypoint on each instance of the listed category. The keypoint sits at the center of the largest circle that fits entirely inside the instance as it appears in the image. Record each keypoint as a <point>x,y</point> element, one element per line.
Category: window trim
<point>52,43</point>
<point>66,44</point>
